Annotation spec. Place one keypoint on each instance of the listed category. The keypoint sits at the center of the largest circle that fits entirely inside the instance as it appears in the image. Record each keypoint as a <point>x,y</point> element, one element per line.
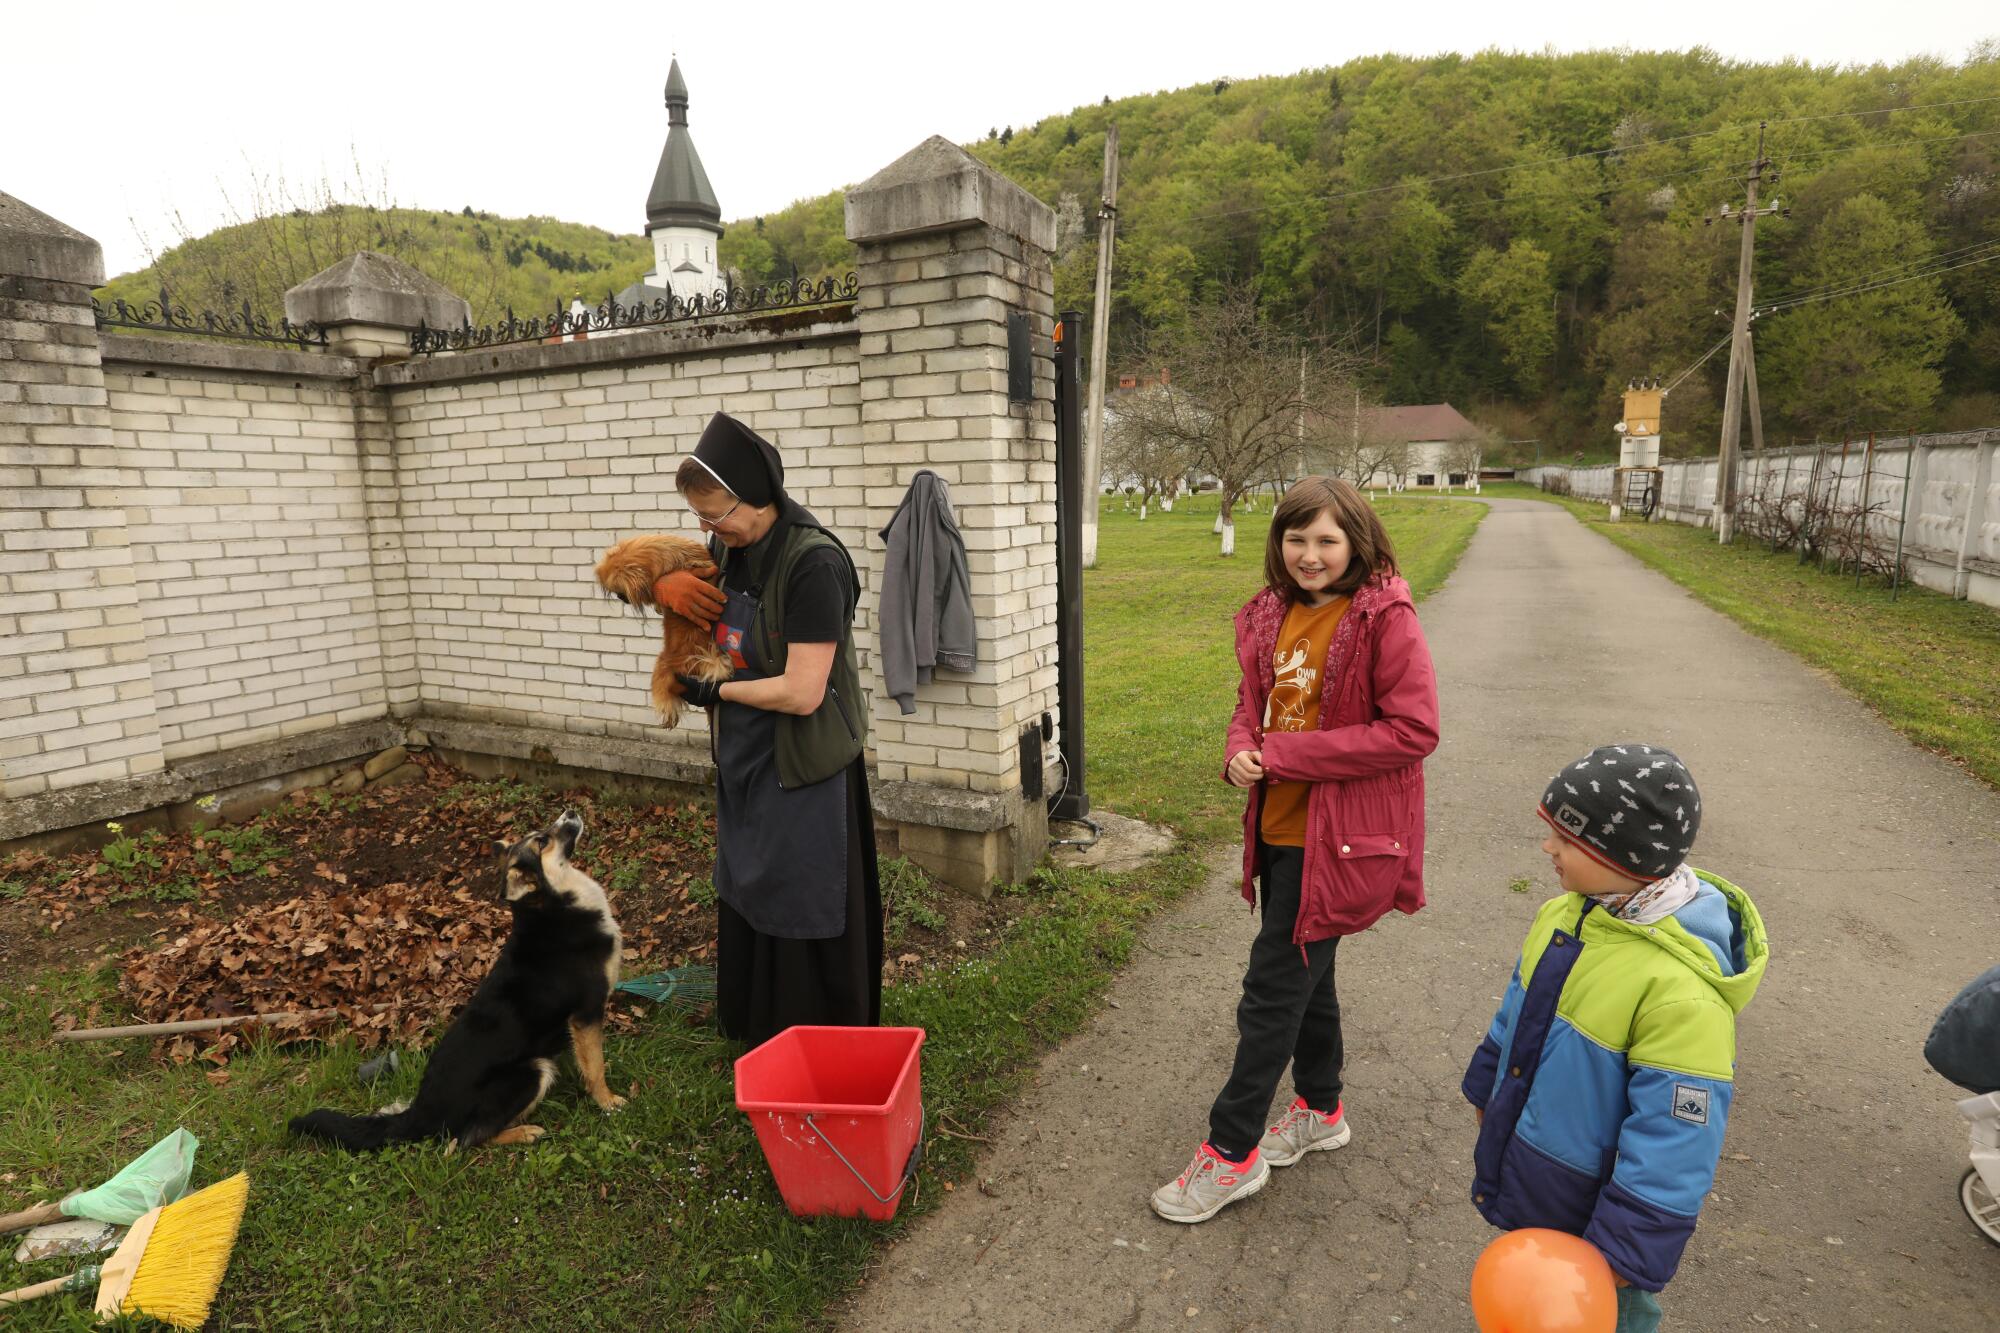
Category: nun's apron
<point>796,916</point>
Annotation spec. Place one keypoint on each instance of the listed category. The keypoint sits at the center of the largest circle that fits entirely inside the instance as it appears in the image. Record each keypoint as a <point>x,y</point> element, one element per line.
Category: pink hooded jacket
<point>1378,718</point>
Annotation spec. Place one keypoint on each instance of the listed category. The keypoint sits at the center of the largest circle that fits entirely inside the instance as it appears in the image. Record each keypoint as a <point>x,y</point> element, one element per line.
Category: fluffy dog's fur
<point>628,572</point>
<point>547,991</point>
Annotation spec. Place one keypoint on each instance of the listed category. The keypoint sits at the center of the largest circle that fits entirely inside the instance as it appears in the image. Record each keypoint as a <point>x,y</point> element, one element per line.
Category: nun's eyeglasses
<point>713,519</point>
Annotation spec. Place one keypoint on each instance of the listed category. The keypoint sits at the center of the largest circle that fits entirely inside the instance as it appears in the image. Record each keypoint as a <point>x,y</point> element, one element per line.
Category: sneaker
<point>1211,1183</point>
<point>1302,1130</point>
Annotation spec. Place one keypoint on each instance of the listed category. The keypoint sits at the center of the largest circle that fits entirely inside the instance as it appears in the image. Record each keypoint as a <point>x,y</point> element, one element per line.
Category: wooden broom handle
<point>196,1025</point>
<point>49,1288</point>
<point>30,1217</point>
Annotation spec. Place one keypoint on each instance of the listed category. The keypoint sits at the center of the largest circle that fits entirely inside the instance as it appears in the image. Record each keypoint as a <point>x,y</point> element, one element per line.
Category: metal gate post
<point>1074,801</point>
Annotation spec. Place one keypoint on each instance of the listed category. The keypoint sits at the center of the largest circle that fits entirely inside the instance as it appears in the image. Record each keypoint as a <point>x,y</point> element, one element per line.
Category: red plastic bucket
<point>839,1113</point>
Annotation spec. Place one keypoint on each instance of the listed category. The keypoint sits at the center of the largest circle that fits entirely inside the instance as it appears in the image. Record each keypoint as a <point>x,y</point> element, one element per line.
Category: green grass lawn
<point>662,1215</point>
<point>1929,665</point>
<point>1160,664</point>
<point>665,1214</point>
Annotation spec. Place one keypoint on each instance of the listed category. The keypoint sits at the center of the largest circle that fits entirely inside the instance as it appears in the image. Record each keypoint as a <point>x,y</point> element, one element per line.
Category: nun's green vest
<point>814,747</point>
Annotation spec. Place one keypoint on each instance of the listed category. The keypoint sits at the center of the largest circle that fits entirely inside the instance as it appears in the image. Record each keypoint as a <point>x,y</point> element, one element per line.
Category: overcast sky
<point>119,115</point>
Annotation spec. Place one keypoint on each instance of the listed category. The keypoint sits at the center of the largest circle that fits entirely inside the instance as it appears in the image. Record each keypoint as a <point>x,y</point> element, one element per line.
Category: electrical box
<point>1020,364</point>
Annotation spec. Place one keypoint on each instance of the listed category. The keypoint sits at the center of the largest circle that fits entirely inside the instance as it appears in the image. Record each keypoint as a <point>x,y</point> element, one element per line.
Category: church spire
<point>677,97</point>
<point>681,194</point>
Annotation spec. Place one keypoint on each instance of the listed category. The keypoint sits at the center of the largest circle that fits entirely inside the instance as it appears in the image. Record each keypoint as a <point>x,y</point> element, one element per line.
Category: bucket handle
<point>909,1167</point>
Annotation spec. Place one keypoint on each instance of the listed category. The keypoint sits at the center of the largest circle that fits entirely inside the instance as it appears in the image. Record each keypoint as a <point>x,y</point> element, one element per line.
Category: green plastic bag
<point>157,1176</point>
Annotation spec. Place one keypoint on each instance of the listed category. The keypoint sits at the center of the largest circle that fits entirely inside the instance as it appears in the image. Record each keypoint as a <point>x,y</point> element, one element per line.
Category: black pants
<point>1289,1015</point>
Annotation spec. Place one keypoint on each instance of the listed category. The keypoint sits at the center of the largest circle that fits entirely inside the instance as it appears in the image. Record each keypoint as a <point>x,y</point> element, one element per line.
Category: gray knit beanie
<point>1633,808</point>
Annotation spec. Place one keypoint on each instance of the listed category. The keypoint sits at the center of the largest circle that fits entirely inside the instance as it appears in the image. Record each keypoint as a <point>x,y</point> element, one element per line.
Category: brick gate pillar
<point>78,736</point>
<point>948,248</point>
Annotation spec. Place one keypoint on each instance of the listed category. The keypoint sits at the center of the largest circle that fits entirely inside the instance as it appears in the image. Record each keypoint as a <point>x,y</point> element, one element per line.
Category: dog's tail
<point>364,1133</point>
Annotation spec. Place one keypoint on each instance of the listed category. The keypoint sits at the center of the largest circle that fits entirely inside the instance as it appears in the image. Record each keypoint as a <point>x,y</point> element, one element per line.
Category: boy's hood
<point>1719,936</point>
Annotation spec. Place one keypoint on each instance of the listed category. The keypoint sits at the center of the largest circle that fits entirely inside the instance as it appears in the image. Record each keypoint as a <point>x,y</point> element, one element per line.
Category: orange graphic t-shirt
<point>1298,662</point>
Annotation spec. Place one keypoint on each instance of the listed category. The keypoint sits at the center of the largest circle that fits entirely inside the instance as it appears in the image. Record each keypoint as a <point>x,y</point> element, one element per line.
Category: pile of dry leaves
<point>384,906</point>
<point>391,961</point>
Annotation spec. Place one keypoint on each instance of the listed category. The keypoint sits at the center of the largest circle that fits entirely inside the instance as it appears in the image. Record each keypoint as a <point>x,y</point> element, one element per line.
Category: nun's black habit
<point>799,902</point>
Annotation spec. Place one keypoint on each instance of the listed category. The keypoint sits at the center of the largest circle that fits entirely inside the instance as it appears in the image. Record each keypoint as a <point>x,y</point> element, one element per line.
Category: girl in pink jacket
<point>1337,709</point>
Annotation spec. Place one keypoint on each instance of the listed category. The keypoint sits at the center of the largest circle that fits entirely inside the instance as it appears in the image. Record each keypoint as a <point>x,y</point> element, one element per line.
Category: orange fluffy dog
<point>628,572</point>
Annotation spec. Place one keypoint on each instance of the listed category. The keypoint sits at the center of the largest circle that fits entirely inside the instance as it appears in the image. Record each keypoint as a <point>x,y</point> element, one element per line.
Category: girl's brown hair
<point>1308,498</point>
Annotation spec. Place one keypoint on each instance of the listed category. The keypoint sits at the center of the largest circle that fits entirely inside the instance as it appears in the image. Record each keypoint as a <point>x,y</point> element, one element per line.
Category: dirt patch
<point>390,895</point>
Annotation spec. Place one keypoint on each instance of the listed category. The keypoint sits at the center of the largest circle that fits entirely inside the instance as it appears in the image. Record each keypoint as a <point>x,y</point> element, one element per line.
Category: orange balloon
<point>1540,1281</point>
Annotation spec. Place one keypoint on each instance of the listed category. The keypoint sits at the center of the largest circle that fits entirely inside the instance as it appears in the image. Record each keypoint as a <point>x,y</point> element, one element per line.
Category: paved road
<point>1876,865</point>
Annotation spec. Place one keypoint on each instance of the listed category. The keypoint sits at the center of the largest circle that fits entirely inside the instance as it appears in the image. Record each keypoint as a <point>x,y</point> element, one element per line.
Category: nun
<point>799,898</point>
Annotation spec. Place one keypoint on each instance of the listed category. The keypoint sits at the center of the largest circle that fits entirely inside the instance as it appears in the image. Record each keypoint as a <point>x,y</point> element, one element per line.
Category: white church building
<point>683,219</point>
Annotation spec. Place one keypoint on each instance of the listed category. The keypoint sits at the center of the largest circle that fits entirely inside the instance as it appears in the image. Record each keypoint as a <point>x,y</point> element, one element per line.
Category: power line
<point>1720,343</point>
<point>1885,110</point>
<point>1878,286</point>
<point>1723,341</point>
<point>1703,174</point>
<point>1791,298</point>
<point>1862,283</point>
<point>1451,177</point>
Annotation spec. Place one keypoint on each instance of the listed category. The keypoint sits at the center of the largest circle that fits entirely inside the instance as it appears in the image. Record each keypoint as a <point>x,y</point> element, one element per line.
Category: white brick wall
<point>249,529</point>
<point>76,702</point>
<point>242,556</point>
<point>511,490</point>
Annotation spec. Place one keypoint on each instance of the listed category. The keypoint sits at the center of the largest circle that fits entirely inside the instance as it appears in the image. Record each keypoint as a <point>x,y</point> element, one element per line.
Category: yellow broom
<point>170,1265</point>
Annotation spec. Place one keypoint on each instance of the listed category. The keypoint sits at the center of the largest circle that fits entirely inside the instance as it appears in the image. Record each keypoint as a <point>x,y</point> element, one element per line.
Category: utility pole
<point>1300,471</point>
<point>1750,388</point>
<point>1739,344</point>
<point>1100,340</point>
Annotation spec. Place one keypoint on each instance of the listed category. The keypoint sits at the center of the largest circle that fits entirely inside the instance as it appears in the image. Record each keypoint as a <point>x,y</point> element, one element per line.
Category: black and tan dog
<point>547,991</point>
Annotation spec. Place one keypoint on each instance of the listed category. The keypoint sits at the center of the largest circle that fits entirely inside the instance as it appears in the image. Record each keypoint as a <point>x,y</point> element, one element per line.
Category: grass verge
<point>664,1213</point>
<point>1929,665</point>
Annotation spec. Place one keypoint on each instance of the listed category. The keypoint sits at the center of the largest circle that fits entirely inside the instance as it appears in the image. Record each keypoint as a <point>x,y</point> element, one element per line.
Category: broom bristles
<point>187,1254</point>
<point>685,987</point>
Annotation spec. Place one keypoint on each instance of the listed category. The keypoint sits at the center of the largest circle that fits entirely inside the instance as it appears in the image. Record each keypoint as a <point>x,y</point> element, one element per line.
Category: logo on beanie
<point>1572,822</point>
<point>1691,1104</point>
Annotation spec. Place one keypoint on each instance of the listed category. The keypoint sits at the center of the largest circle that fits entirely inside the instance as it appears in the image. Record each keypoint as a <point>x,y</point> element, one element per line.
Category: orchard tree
<point>1240,383</point>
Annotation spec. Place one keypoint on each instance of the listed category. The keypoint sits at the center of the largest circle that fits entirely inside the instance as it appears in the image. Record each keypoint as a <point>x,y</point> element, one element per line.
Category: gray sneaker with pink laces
<point>1302,1130</point>
<point>1211,1183</point>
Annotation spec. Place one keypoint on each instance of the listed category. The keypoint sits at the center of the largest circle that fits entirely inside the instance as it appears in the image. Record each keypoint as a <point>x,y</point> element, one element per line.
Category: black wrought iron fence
<point>613,317</point>
<point>169,316</point>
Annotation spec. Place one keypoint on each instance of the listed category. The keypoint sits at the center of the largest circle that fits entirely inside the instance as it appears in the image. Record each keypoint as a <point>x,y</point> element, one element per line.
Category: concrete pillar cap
<point>376,290</point>
<point>35,245</point>
<point>938,186</point>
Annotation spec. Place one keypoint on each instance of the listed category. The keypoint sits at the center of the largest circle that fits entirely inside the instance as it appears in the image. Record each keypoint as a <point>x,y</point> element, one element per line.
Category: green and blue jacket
<point>1607,1073</point>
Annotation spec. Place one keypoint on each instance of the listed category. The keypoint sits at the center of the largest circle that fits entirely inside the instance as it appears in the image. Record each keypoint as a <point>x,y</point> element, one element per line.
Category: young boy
<point>1604,1082</point>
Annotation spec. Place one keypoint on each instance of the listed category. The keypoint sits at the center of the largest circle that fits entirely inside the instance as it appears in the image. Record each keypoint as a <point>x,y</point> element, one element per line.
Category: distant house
<point>1429,446</point>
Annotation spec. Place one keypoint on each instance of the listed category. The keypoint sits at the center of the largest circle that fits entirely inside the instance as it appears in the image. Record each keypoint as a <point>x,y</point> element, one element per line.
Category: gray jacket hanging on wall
<point>925,613</point>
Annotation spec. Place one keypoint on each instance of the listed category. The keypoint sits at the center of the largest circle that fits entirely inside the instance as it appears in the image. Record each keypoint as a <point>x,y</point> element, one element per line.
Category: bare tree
<point>1149,463</point>
<point>1348,440</point>
<point>1461,457</point>
<point>1240,385</point>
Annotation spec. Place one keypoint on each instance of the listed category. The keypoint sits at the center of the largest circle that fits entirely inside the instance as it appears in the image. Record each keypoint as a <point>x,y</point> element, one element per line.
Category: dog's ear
<point>501,847</point>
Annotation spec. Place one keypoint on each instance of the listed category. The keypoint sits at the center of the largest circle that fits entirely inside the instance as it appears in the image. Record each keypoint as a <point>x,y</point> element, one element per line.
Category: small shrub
<point>131,859</point>
<point>625,875</point>
<point>1520,884</point>
<point>247,849</point>
<point>910,897</point>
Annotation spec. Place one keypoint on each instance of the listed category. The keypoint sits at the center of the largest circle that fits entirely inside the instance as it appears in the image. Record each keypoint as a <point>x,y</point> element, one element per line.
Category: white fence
<point>1941,491</point>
